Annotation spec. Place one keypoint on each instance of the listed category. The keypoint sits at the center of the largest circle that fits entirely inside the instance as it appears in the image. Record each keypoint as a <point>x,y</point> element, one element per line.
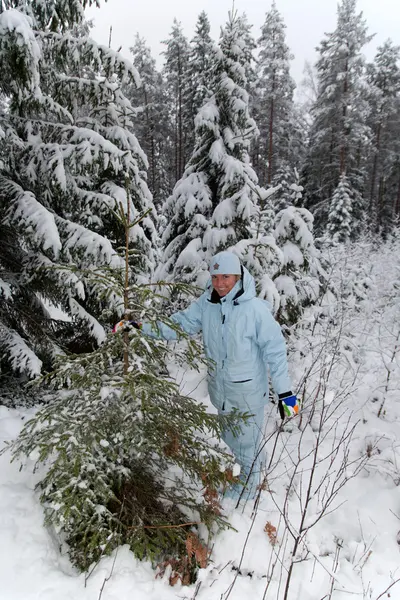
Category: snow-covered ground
<point>333,476</point>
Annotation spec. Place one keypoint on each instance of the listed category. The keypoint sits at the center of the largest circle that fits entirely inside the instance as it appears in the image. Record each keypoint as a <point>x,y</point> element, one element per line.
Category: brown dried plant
<point>271,532</point>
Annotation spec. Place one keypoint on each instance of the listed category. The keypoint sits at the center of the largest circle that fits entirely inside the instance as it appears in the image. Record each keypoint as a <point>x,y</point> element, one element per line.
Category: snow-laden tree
<point>339,134</point>
<point>339,226</point>
<point>276,147</point>
<point>212,205</point>
<point>260,253</point>
<point>176,72</point>
<point>299,281</point>
<point>248,47</point>
<point>290,193</point>
<point>199,78</point>
<point>129,457</point>
<point>384,79</point>
<point>152,121</point>
<point>67,154</point>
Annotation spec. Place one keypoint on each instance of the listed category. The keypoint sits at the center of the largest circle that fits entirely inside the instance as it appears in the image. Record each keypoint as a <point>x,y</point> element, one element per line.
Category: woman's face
<point>223,284</point>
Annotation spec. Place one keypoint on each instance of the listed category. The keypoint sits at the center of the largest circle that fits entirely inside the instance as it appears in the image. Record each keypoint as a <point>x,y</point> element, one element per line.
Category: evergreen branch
<point>167,526</point>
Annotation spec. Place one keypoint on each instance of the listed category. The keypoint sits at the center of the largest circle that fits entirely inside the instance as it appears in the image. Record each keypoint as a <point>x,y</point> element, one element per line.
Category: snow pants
<point>247,445</point>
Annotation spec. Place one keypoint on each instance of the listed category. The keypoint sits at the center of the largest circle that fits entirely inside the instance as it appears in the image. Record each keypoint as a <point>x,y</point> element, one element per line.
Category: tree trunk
<point>343,149</point>
<point>271,142</point>
<point>375,168</point>
<point>397,205</point>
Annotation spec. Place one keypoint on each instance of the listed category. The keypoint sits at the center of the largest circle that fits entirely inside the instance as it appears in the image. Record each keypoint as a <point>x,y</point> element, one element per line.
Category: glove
<point>126,326</point>
<point>288,405</point>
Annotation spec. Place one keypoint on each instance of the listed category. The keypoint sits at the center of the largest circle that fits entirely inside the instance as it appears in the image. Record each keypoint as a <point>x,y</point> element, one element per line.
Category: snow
<point>94,326</point>
<point>28,210</point>
<point>22,358</point>
<point>5,289</point>
<point>14,22</point>
<point>353,549</point>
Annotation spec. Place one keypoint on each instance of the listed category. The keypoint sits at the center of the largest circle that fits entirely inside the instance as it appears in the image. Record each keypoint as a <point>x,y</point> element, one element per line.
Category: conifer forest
<point>119,180</point>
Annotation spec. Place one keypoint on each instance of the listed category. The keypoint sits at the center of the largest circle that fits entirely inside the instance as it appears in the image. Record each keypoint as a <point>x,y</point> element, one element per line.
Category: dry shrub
<point>183,568</point>
<point>211,496</point>
<point>197,550</point>
<point>271,532</point>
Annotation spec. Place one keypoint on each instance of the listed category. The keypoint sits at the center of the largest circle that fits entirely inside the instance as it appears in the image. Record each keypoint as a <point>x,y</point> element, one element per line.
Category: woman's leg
<point>247,448</point>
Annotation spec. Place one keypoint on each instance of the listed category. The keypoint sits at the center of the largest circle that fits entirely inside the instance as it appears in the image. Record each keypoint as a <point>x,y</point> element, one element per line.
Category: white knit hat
<point>225,263</point>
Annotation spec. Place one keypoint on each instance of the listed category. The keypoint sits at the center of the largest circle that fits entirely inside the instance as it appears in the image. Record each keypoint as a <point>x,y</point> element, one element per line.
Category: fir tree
<point>339,134</point>
<point>301,279</point>
<point>273,103</point>
<point>200,74</point>
<point>152,123</point>
<point>248,47</point>
<point>290,192</point>
<point>68,141</point>
<point>130,458</point>
<point>339,226</point>
<point>384,79</point>
<point>176,73</point>
<point>212,205</point>
<point>260,253</point>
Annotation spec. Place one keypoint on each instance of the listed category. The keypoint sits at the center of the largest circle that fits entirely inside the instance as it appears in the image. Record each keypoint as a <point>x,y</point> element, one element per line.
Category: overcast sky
<point>306,21</point>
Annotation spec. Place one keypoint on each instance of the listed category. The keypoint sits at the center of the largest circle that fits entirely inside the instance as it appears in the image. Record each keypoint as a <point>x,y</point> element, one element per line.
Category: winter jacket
<point>243,341</point>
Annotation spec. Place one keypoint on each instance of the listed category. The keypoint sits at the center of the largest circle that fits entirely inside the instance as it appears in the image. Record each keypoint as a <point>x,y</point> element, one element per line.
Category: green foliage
<point>130,458</point>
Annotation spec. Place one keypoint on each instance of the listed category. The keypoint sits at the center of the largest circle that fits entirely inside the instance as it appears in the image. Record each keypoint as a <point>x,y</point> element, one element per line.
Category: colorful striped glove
<point>126,326</point>
<point>288,405</point>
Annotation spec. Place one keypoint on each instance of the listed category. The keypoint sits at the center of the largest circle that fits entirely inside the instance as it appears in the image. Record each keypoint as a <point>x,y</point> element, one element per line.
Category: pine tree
<point>130,457</point>
<point>339,135</point>
<point>384,79</point>
<point>176,73</point>
<point>273,103</point>
<point>212,205</point>
<point>67,145</point>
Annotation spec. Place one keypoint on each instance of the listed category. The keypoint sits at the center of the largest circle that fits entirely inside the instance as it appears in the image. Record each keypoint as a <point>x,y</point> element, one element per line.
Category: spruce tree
<point>301,279</point>
<point>340,134</point>
<point>67,142</point>
<point>384,80</point>
<point>152,122</point>
<point>176,74</point>
<point>212,206</point>
<point>339,227</point>
<point>273,102</point>
<point>129,457</point>
<point>200,74</point>
<point>260,253</point>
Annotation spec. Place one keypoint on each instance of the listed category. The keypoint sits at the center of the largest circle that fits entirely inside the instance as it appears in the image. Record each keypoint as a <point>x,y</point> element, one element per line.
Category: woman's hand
<point>288,405</point>
<point>126,326</point>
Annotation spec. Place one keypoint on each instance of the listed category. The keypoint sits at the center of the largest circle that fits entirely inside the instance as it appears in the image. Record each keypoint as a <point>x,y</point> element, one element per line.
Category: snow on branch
<point>90,247</point>
<point>5,290</point>
<point>65,278</point>
<point>22,358</point>
<point>25,211</point>
<point>103,59</point>
<point>18,45</point>
<point>94,326</point>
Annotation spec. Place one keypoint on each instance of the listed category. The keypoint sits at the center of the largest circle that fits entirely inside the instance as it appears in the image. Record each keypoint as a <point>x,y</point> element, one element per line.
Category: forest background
<point>118,182</point>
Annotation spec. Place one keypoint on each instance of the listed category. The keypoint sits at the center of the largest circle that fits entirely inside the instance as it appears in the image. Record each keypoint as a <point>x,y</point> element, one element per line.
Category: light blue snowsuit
<point>242,339</point>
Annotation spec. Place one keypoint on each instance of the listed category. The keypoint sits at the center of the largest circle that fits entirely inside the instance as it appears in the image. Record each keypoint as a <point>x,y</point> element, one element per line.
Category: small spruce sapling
<point>129,458</point>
